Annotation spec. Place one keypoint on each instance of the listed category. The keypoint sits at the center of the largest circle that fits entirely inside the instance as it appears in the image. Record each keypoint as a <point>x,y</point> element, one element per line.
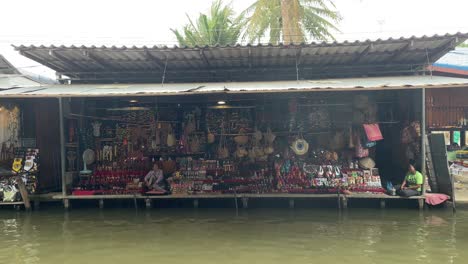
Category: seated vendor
<point>412,185</point>
<point>154,180</point>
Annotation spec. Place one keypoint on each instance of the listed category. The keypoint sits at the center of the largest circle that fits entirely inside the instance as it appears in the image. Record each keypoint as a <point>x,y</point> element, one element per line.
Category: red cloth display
<point>373,132</point>
<point>436,198</point>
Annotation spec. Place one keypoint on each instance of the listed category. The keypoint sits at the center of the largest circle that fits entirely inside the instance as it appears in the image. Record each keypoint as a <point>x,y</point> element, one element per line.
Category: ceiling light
<point>221,102</point>
<point>133,101</point>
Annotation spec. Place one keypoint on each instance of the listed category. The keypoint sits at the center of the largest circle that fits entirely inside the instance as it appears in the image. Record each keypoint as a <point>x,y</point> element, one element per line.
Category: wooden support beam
<point>37,205</point>
<point>344,202</point>
<point>24,193</point>
<point>66,204</point>
<point>421,203</point>
<point>382,203</point>
<point>245,202</point>
<point>148,203</point>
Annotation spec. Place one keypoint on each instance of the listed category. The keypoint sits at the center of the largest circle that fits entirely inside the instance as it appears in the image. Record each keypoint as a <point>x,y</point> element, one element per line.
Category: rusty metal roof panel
<point>244,63</point>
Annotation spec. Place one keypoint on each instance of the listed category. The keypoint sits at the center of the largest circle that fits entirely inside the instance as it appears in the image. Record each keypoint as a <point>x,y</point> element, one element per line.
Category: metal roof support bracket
<point>363,54</point>
<point>96,60</point>
<point>402,50</point>
<point>56,55</point>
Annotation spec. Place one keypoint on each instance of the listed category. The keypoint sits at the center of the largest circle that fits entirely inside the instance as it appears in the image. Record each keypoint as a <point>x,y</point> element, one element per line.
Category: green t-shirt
<point>414,179</point>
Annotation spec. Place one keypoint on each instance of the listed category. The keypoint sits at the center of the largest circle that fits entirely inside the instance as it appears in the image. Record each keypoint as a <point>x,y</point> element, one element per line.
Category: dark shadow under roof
<point>244,63</point>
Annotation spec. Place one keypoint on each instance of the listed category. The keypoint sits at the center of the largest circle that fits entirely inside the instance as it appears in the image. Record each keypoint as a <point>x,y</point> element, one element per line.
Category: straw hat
<point>366,163</point>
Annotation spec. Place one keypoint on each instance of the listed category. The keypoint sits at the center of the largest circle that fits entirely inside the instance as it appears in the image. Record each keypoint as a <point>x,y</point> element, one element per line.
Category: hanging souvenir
<point>96,128</point>
<point>210,138</point>
<point>242,139</point>
<point>195,145</point>
<point>373,132</point>
<point>360,151</point>
<point>351,138</point>
<point>258,135</point>
<point>300,146</point>
<point>269,136</point>
<point>190,125</point>
<point>171,140</point>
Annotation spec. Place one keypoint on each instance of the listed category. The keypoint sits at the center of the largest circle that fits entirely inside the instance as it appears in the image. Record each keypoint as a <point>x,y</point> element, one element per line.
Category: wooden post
<point>62,149</point>
<point>148,203</point>
<point>66,203</point>
<point>37,204</point>
<point>421,203</point>
<point>101,203</point>
<point>344,202</point>
<point>291,203</point>
<point>23,192</point>
<point>423,138</point>
<point>382,203</point>
<point>195,203</point>
<point>245,202</point>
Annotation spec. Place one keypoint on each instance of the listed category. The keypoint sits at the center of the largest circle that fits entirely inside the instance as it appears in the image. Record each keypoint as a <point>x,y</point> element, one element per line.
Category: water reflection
<point>214,236</point>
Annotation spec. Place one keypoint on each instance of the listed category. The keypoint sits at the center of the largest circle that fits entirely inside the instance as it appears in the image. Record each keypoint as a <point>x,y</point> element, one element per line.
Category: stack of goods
<point>331,176</point>
<point>213,176</point>
<point>114,178</point>
<point>411,140</point>
<point>25,167</point>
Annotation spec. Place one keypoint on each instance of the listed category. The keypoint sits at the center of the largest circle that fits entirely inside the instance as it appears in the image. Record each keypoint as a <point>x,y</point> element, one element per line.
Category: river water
<point>222,236</point>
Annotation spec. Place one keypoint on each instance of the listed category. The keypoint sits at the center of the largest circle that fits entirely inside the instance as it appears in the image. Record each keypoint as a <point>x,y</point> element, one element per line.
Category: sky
<point>148,22</point>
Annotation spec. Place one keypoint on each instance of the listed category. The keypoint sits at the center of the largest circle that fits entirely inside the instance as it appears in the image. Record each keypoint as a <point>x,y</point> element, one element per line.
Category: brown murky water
<point>222,236</point>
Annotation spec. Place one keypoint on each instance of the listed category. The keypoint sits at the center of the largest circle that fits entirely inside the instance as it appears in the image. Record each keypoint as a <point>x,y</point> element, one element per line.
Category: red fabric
<point>373,132</point>
<point>436,198</point>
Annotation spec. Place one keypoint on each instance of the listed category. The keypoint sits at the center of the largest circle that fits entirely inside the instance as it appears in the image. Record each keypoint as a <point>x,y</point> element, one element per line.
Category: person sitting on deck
<point>154,180</point>
<point>412,184</point>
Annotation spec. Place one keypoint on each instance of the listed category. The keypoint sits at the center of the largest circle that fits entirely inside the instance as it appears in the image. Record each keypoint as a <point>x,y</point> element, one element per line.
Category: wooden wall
<point>446,107</point>
<point>46,113</point>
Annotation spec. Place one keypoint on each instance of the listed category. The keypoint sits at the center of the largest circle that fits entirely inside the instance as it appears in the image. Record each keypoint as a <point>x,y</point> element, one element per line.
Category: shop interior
<point>260,143</point>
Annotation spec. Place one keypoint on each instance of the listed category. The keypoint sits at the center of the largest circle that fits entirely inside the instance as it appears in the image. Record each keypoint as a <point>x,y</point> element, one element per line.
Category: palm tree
<point>291,21</point>
<point>221,27</point>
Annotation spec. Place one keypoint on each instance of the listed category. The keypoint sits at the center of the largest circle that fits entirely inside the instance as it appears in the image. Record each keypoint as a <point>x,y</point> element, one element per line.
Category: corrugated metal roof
<point>102,90</point>
<point>244,63</point>
<point>454,62</point>
<point>16,80</point>
<point>6,67</point>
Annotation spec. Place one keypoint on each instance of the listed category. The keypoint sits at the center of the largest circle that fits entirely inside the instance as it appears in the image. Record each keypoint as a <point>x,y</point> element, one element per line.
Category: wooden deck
<point>343,199</point>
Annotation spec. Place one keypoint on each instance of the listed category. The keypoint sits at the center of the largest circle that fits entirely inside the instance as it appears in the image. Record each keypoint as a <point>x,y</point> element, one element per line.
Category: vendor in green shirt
<point>412,185</point>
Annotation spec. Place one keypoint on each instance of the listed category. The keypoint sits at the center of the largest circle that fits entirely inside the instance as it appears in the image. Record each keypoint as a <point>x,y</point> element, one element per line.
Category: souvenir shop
<point>19,156</point>
<point>233,143</point>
